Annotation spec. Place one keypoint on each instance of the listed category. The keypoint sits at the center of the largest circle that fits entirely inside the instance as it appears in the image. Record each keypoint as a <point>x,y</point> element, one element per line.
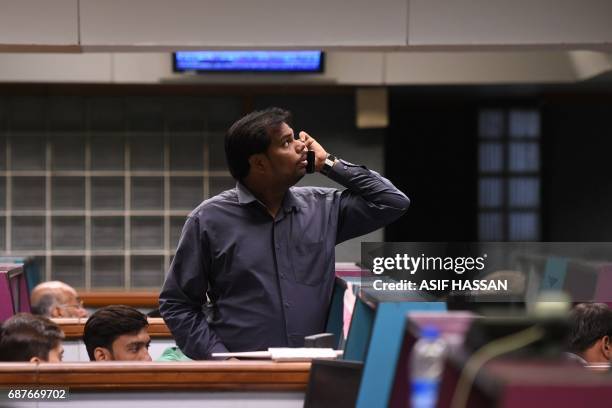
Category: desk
<point>135,299</point>
<point>73,327</point>
<point>138,384</point>
<point>530,383</point>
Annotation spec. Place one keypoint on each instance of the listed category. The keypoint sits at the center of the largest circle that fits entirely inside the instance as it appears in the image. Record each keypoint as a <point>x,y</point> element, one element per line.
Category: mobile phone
<point>310,161</point>
<point>310,156</point>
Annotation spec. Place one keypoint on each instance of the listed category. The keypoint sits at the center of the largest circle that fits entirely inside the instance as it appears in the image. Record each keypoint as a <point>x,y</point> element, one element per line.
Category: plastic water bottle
<point>426,365</point>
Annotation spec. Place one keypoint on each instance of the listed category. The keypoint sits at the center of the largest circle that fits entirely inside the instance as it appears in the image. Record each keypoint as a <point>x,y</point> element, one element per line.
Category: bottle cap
<point>430,332</point>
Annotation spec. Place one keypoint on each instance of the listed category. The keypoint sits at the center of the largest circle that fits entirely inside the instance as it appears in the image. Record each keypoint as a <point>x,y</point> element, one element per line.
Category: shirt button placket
<point>282,265</point>
<point>279,258</point>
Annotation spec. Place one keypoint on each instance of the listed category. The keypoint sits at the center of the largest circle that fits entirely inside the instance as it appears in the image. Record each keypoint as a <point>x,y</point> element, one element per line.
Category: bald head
<point>56,299</point>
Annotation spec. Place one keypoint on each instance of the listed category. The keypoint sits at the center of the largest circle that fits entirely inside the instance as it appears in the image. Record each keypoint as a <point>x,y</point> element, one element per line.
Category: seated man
<point>56,299</point>
<point>591,333</point>
<point>117,333</point>
<point>25,337</point>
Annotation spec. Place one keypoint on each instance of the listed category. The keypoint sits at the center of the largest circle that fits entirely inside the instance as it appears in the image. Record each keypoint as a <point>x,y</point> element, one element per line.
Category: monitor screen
<point>333,383</point>
<point>248,61</point>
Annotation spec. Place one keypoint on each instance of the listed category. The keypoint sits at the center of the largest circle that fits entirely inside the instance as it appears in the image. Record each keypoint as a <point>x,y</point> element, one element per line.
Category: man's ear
<point>56,311</point>
<point>36,360</point>
<point>102,354</point>
<point>257,163</point>
<point>606,347</point>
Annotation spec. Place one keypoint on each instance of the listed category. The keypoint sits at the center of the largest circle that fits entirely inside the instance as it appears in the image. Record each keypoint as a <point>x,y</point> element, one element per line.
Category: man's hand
<point>312,144</point>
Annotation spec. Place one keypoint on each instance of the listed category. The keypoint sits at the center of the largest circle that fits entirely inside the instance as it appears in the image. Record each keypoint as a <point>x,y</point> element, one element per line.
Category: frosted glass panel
<point>490,192</point>
<point>69,269</point>
<point>28,193</point>
<point>147,193</point>
<point>524,192</point>
<point>147,233</point>
<point>107,272</point>
<point>68,233</point>
<point>107,193</point>
<point>524,157</point>
<point>491,157</point>
<point>524,123</point>
<point>491,124</point>
<point>68,152</point>
<point>68,193</point>
<point>490,227</point>
<point>524,227</point>
<point>28,151</point>
<point>107,233</point>
<point>186,192</point>
<point>28,233</point>
<point>147,271</point>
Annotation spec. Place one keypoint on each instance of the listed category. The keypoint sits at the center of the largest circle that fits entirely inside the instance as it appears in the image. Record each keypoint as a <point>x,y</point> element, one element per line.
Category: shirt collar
<point>244,195</point>
<point>290,201</point>
<point>575,357</point>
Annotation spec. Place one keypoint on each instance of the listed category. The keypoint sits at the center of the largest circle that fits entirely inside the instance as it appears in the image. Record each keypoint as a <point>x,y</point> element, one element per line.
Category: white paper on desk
<point>261,355</point>
<point>286,354</point>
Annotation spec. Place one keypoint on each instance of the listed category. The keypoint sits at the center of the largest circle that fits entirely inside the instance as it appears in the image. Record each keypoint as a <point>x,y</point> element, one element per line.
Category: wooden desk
<point>73,327</point>
<point>528,384</point>
<point>134,299</point>
<point>133,376</point>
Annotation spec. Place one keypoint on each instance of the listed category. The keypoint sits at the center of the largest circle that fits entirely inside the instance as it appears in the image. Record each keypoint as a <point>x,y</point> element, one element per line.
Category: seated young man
<point>117,333</point>
<point>591,333</point>
<point>25,337</point>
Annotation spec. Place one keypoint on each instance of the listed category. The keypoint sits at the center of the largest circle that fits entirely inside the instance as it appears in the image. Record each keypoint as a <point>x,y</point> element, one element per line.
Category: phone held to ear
<point>310,161</point>
<point>310,157</point>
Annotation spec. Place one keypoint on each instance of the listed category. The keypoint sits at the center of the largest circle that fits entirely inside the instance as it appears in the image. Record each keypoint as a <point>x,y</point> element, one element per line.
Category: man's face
<point>286,157</point>
<point>56,354</point>
<point>132,347</point>
<point>71,305</point>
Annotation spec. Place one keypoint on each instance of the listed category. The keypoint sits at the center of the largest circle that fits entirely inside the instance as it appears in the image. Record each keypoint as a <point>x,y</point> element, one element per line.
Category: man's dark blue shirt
<point>270,280</point>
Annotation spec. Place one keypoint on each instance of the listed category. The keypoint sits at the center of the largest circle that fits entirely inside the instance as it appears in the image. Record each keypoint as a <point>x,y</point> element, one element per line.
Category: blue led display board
<point>248,61</point>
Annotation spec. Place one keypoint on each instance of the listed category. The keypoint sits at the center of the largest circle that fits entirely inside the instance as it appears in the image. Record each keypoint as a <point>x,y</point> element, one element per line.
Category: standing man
<point>263,252</point>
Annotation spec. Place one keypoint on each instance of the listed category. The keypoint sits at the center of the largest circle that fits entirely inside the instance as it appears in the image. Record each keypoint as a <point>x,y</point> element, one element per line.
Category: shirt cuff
<point>343,171</point>
<point>218,348</point>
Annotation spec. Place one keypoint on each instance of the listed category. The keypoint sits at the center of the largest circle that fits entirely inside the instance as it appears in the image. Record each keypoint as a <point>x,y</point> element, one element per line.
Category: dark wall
<point>431,155</point>
<point>577,177</point>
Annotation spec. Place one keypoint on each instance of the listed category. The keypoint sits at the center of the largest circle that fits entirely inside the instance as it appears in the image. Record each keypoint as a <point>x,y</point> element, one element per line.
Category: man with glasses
<point>56,299</point>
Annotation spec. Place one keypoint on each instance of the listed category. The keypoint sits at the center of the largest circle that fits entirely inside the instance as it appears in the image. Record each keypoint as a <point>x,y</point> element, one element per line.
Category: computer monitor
<point>333,383</point>
<point>14,290</point>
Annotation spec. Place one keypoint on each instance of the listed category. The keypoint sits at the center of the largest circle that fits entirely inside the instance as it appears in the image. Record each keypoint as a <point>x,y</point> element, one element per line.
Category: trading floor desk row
<point>373,372</point>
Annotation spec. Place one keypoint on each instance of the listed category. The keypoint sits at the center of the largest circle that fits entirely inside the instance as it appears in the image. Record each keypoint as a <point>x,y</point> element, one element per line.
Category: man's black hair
<point>24,336</point>
<point>108,323</point>
<point>589,323</point>
<point>251,135</point>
